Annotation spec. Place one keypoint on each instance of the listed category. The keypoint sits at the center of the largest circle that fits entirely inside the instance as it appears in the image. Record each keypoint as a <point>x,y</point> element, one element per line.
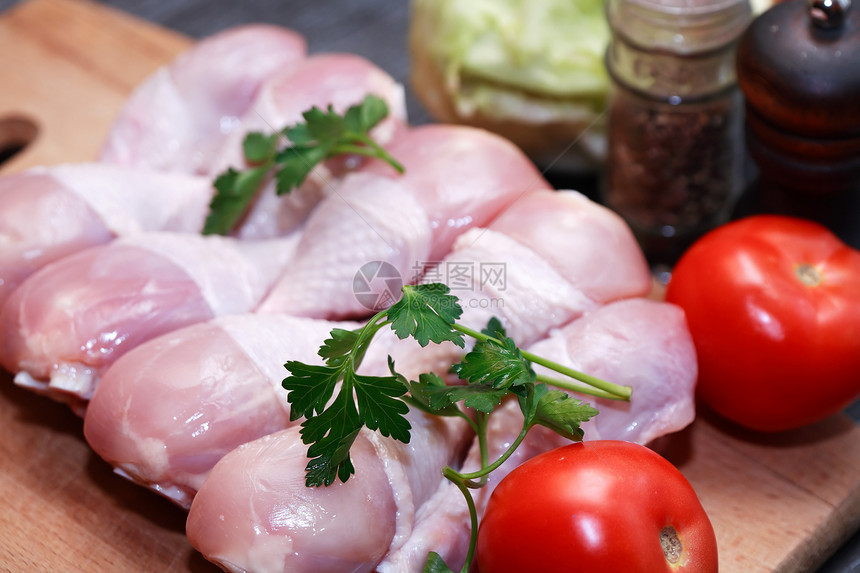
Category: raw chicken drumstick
<point>456,178</point>
<point>547,259</point>
<point>66,324</point>
<point>536,267</point>
<point>178,118</point>
<point>464,177</point>
<point>166,411</point>
<point>588,244</point>
<point>370,218</point>
<point>637,342</point>
<point>336,80</point>
<point>50,212</point>
<point>254,513</point>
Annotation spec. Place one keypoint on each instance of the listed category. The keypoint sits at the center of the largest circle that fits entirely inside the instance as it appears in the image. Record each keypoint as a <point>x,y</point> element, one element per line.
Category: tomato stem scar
<point>672,546</point>
<point>808,275</point>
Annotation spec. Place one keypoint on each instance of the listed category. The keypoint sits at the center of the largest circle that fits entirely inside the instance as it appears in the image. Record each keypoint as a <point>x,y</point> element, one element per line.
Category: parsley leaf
<point>379,407</point>
<point>426,313</point>
<point>366,116</point>
<point>336,349</point>
<point>323,134</point>
<point>234,190</point>
<point>331,435</point>
<point>311,387</point>
<point>435,564</point>
<point>499,364</point>
<point>429,393</point>
<point>332,425</point>
<point>494,329</point>
<point>481,397</point>
<point>295,164</point>
<point>432,395</point>
<point>558,411</point>
<point>259,148</point>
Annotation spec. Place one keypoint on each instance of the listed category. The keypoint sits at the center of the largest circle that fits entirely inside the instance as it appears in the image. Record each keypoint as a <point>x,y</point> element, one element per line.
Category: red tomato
<point>773,305</point>
<point>600,506</point>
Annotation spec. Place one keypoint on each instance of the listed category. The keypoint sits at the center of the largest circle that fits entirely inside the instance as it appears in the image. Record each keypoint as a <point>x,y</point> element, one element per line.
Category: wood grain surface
<point>779,504</point>
<point>69,66</point>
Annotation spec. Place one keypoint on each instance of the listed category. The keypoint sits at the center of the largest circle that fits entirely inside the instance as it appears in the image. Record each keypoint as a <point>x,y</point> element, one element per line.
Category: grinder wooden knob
<point>798,65</point>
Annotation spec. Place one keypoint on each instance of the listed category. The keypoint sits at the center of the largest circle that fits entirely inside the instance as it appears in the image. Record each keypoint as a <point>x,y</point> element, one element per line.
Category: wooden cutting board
<point>779,504</point>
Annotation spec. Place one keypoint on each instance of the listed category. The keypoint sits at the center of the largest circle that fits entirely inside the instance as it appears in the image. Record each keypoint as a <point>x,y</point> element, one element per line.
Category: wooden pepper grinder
<point>798,65</point>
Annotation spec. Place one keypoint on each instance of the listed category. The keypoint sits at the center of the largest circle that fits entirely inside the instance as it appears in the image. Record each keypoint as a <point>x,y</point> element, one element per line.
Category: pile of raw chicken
<point>171,344</point>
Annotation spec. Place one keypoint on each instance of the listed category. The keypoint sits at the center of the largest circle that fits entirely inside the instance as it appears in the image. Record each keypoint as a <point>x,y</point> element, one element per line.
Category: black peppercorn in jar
<point>675,147</point>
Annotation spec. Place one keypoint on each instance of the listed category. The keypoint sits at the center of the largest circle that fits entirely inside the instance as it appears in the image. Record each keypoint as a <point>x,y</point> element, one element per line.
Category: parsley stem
<point>481,421</point>
<point>612,390</point>
<point>369,149</point>
<point>457,480</point>
<point>621,392</point>
<point>359,150</point>
<point>578,388</point>
<point>365,336</point>
<point>370,142</point>
<point>487,469</point>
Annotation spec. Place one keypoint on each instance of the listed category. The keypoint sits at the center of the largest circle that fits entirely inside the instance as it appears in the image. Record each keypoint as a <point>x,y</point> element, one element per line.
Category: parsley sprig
<point>323,134</point>
<point>494,369</point>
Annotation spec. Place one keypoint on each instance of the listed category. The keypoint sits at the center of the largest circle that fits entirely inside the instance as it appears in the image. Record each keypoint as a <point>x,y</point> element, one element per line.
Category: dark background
<point>377,30</point>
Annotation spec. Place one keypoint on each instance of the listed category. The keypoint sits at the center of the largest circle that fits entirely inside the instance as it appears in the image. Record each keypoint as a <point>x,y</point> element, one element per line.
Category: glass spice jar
<point>675,160</point>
